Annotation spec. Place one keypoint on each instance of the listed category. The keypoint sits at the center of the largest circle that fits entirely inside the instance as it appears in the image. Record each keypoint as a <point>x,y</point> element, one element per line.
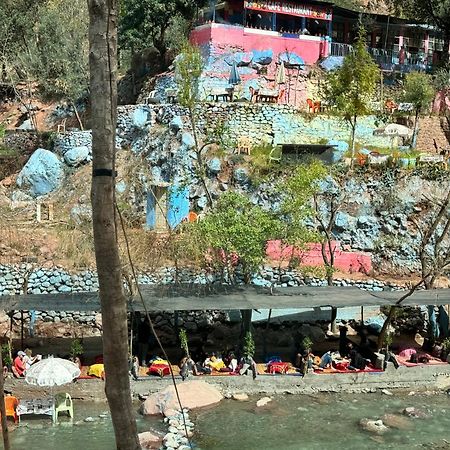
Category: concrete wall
<point>310,48</point>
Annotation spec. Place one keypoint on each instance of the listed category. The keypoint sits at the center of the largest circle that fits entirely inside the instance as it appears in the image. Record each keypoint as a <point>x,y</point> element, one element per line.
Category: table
<point>269,95</point>
<point>44,406</point>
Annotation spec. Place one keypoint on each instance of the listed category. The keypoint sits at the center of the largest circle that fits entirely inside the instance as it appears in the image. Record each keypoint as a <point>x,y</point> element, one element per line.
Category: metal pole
<point>21,330</point>
<point>387,32</point>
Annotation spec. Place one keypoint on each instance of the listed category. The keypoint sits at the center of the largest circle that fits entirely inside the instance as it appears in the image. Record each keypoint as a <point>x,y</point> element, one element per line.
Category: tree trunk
<point>353,125</point>
<point>5,431</point>
<point>77,115</point>
<point>416,129</point>
<point>246,323</point>
<point>103,85</point>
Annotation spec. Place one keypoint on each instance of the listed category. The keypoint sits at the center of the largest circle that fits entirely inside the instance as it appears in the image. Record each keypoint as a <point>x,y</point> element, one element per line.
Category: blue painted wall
<point>179,206</point>
<point>177,209</point>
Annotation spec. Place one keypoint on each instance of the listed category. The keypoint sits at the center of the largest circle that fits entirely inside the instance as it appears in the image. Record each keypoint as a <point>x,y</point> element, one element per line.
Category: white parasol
<point>52,372</point>
<point>394,130</point>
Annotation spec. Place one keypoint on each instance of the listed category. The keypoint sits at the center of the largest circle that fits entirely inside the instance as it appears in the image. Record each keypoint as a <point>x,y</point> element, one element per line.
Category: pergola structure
<point>191,297</point>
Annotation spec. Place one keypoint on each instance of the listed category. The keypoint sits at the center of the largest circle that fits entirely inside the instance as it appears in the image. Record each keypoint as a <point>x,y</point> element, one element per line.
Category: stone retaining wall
<point>17,279</point>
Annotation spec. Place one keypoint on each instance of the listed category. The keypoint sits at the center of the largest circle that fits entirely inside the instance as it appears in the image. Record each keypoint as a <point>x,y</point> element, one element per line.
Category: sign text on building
<point>293,9</point>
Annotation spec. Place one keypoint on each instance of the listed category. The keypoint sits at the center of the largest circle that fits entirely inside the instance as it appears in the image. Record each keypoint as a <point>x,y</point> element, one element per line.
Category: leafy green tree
<point>351,88</point>
<point>436,12</point>
<point>145,23</point>
<point>298,190</point>
<point>236,231</point>
<point>418,91</point>
<point>53,52</point>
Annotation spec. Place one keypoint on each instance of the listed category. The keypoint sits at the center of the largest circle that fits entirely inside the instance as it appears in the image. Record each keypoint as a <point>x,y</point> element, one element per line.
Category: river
<point>303,422</point>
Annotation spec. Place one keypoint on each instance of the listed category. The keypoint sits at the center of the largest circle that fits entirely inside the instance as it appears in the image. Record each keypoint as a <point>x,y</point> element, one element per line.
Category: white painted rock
<point>149,440</point>
<point>373,426</point>
<point>386,392</point>
<point>193,394</point>
<point>240,397</point>
<point>263,401</point>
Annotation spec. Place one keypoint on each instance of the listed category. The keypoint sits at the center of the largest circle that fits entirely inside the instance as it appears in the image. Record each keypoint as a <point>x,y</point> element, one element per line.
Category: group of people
<point>214,362</point>
<point>23,361</point>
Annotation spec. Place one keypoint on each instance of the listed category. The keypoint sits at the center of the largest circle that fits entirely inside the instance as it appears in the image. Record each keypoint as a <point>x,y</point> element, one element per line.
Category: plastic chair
<point>11,404</point>
<point>63,403</point>
<point>313,107</point>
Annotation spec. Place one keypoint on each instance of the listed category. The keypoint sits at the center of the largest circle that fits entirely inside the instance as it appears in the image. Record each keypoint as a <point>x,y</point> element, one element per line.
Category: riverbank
<point>426,377</point>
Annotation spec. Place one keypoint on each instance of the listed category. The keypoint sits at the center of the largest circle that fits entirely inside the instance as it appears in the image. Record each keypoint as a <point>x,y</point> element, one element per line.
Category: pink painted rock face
<point>149,440</point>
<point>193,394</point>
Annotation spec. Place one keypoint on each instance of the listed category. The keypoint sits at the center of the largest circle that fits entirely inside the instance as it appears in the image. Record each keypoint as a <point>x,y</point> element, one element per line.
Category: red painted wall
<point>310,48</point>
<point>350,262</point>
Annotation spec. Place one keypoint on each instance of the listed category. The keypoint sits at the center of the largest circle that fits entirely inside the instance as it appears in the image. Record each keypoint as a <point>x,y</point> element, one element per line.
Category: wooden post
<point>21,330</point>
<point>5,431</point>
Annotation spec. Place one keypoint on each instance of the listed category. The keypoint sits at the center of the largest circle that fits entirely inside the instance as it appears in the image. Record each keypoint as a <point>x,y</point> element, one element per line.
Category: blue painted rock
<point>77,156</point>
<point>43,173</point>
<point>331,63</point>
<point>140,117</point>
<point>214,166</point>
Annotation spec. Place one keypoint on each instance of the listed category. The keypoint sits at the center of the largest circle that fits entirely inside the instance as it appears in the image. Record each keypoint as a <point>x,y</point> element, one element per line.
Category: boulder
<point>149,440</point>
<point>373,426</point>
<point>193,394</point>
<point>214,166</point>
<point>240,397</point>
<point>187,140</point>
<point>77,156</point>
<point>241,175</point>
<point>263,401</point>
<point>140,117</point>
<point>263,57</point>
<point>27,125</point>
<point>396,421</point>
<point>176,124</point>
<point>42,174</point>
<point>415,413</point>
<point>331,63</point>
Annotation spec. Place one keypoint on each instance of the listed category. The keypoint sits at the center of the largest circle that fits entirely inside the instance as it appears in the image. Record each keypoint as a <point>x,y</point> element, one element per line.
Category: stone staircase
<point>430,128</point>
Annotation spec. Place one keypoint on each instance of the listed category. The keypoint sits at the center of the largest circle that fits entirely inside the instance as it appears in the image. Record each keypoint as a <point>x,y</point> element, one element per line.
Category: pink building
<point>297,27</point>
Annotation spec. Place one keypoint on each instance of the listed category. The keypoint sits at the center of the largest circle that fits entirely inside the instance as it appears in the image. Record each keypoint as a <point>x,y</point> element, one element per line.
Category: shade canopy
<point>281,74</point>
<point>52,372</point>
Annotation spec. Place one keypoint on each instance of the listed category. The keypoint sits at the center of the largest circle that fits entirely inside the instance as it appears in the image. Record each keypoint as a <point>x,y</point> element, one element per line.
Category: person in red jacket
<point>19,365</point>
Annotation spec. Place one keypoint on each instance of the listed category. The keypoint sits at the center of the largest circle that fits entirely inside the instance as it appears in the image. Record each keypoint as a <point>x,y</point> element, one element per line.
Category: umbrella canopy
<point>234,75</point>
<point>52,372</point>
<point>393,130</point>
<point>281,74</point>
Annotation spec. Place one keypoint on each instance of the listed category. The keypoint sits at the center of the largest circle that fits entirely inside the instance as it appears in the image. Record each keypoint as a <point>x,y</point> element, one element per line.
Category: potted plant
<point>306,344</point>
<point>249,345</point>
<point>184,341</point>
<point>76,350</point>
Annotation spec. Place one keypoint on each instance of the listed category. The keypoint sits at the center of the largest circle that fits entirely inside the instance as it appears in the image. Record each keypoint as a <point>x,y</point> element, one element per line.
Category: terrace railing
<point>338,49</point>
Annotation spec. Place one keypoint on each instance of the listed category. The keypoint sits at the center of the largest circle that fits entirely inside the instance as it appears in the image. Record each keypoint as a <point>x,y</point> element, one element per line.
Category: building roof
<point>188,297</point>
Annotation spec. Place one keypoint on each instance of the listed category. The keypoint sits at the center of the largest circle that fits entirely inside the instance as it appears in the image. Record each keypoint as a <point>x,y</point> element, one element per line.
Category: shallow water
<point>325,421</point>
<point>289,422</point>
<point>39,433</point>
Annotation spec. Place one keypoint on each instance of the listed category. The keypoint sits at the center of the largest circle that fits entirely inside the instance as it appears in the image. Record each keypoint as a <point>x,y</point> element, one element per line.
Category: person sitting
<point>187,367</point>
<point>216,363</point>
<point>247,363</point>
<point>29,359</point>
<point>357,362</point>
<point>18,367</point>
<point>326,361</point>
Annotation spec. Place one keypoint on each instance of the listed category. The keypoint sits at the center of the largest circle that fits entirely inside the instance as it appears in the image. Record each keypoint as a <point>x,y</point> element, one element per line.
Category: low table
<point>44,406</point>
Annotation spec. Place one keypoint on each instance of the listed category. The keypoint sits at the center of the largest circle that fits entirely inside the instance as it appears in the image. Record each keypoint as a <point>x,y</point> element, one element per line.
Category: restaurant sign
<point>290,8</point>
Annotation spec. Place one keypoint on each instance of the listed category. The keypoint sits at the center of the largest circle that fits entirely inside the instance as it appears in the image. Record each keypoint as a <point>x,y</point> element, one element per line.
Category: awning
<point>190,297</point>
